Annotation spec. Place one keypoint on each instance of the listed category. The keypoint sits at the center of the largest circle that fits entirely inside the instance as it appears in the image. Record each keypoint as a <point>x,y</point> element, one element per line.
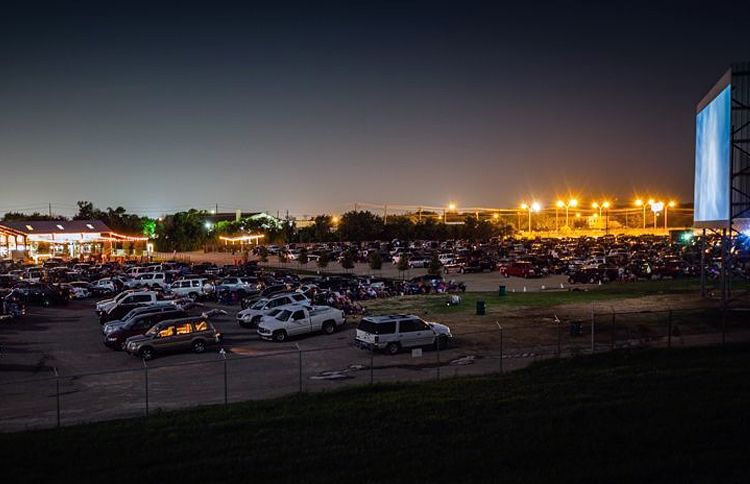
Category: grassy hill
<point>655,415</point>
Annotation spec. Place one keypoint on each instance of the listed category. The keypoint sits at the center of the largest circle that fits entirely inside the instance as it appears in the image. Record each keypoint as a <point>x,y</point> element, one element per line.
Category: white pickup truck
<point>297,320</point>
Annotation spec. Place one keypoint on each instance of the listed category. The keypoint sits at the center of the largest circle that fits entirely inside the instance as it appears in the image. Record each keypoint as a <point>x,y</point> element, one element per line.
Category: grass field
<point>552,297</point>
<point>657,415</point>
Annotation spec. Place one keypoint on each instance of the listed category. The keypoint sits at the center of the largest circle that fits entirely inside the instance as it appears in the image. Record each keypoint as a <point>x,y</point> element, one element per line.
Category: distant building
<point>21,239</point>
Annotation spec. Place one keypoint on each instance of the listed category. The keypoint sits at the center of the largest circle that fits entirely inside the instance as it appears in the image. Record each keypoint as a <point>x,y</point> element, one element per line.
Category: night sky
<point>314,108</point>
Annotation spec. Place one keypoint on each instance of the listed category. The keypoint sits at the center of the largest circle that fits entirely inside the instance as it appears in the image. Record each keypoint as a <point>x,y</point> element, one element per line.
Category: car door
<point>413,332</point>
<point>183,338</point>
<point>298,323</point>
<point>165,339</point>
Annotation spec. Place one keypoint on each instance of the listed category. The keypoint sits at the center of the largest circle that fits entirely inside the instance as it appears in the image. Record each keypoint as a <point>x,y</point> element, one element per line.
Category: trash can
<point>575,328</point>
<point>501,290</point>
<point>481,308</point>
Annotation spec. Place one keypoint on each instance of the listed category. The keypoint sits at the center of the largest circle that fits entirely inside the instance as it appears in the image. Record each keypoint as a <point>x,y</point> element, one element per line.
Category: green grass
<point>552,297</point>
<point>656,415</point>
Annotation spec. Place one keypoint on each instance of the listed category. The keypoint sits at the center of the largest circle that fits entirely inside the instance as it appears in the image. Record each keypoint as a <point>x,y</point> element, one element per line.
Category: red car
<point>520,269</point>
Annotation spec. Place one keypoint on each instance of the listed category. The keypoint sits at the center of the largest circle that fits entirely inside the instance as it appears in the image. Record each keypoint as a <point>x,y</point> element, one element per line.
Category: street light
<point>451,208</point>
<point>606,206</point>
<point>639,203</point>
<point>534,207</point>
<point>656,207</point>
<point>671,204</point>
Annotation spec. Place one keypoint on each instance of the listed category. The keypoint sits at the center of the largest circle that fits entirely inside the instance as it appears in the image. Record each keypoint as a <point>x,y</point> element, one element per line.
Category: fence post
<point>224,355</point>
<point>669,328</point>
<point>501,346</point>
<point>559,336</point>
<point>612,343</point>
<point>57,385</point>
<point>372,362</point>
<point>592,328</point>
<point>299,350</point>
<point>145,379</point>
<point>437,368</point>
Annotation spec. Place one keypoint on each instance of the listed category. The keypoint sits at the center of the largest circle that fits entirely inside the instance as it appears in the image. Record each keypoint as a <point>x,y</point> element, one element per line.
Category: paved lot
<point>97,383</point>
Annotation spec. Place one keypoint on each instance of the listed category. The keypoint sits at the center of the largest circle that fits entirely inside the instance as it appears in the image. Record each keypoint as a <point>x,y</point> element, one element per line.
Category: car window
<point>298,315</point>
<point>373,328</point>
<point>407,326</point>
<point>185,328</point>
<point>298,297</point>
<point>201,326</point>
<point>166,332</point>
<point>141,298</point>
<point>127,300</point>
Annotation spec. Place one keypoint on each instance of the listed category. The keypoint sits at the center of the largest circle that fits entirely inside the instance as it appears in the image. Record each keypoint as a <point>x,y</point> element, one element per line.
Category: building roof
<point>30,227</point>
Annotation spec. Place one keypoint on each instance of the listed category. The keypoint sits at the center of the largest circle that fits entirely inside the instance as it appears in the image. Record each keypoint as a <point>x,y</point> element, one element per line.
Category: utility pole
<point>216,209</point>
<point>355,207</point>
<point>385,214</point>
<point>50,209</point>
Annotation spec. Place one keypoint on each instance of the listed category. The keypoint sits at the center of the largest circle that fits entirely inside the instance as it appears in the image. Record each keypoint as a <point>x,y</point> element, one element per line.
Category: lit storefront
<point>66,239</point>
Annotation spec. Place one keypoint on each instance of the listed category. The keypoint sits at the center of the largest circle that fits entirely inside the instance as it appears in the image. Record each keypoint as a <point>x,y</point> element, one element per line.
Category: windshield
<point>373,328</point>
<point>284,315</point>
<point>152,331</point>
<point>259,304</point>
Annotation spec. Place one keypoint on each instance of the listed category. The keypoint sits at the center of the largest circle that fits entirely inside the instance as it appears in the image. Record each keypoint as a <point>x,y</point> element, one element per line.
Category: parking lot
<point>98,383</point>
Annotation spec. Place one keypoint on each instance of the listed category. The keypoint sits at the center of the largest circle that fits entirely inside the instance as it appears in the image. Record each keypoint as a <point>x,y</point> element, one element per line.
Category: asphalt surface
<point>58,351</point>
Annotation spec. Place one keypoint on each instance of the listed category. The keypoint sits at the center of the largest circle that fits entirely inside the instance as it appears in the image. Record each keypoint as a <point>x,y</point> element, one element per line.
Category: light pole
<point>606,205</point>
<point>669,205</point>
<point>571,203</point>
<point>656,207</point>
<point>524,206</point>
<point>560,204</point>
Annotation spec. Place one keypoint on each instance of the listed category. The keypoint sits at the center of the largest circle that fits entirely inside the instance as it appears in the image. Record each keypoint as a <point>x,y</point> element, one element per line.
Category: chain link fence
<point>234,377</point>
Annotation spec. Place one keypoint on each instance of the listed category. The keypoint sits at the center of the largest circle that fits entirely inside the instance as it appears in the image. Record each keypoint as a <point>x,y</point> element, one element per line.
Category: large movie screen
<point>712,161</point>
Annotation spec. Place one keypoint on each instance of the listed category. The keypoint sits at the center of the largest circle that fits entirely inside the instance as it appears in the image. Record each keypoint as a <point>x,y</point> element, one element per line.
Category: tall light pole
<point>535,207</point>
<point>669,205</point>
<point>656,207</point>
<point>524,206</point>
<point>560,204</point>
<point>606,206</point>
<point>571,203</point>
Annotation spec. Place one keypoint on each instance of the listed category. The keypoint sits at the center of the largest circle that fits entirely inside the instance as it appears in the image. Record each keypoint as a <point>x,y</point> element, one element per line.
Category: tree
<point>360,225</point>
<point>323,260</point>
<point>263,253</point>
<point>283,256</point>
<point>347,260</point>
<point>376,261</point>
<point>435,266</point>
<point>183,231</point>
<point>403,264</point>
<point>303,258</point>
<point>36,216</point>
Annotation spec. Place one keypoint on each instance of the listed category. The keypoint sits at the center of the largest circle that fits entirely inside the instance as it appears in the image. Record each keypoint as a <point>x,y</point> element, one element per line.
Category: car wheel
<point>393,348</point>
<point>279,336</point>
<point>199,346</point>
<point>329,327</point>
<point>146,353</point>
<point>441,342</point>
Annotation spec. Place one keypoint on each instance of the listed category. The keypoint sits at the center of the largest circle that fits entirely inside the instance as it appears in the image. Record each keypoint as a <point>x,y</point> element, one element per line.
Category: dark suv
<point>116,332</point>
<point>174,335</point>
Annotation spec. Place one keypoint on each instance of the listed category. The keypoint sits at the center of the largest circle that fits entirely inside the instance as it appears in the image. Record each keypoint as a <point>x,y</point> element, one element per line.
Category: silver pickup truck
<point>296,320</point>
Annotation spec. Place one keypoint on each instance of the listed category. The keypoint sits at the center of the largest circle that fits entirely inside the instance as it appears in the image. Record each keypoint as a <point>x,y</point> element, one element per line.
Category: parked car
<point>174,335</point>
<point>42,294</point>
<point>394,332</point>
<point>251,316</point>
<point>115,333</point>
<point>520,269</point>
<point>132,301</point>
<point>265,293</point>
<point>192,288</point>
<point>298,320</point>
<point>155,280</point>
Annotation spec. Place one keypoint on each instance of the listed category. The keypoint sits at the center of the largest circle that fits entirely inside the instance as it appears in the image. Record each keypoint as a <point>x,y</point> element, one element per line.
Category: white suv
<point>396,331</point>
<point>192,288</point>
<point>149,279</point>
